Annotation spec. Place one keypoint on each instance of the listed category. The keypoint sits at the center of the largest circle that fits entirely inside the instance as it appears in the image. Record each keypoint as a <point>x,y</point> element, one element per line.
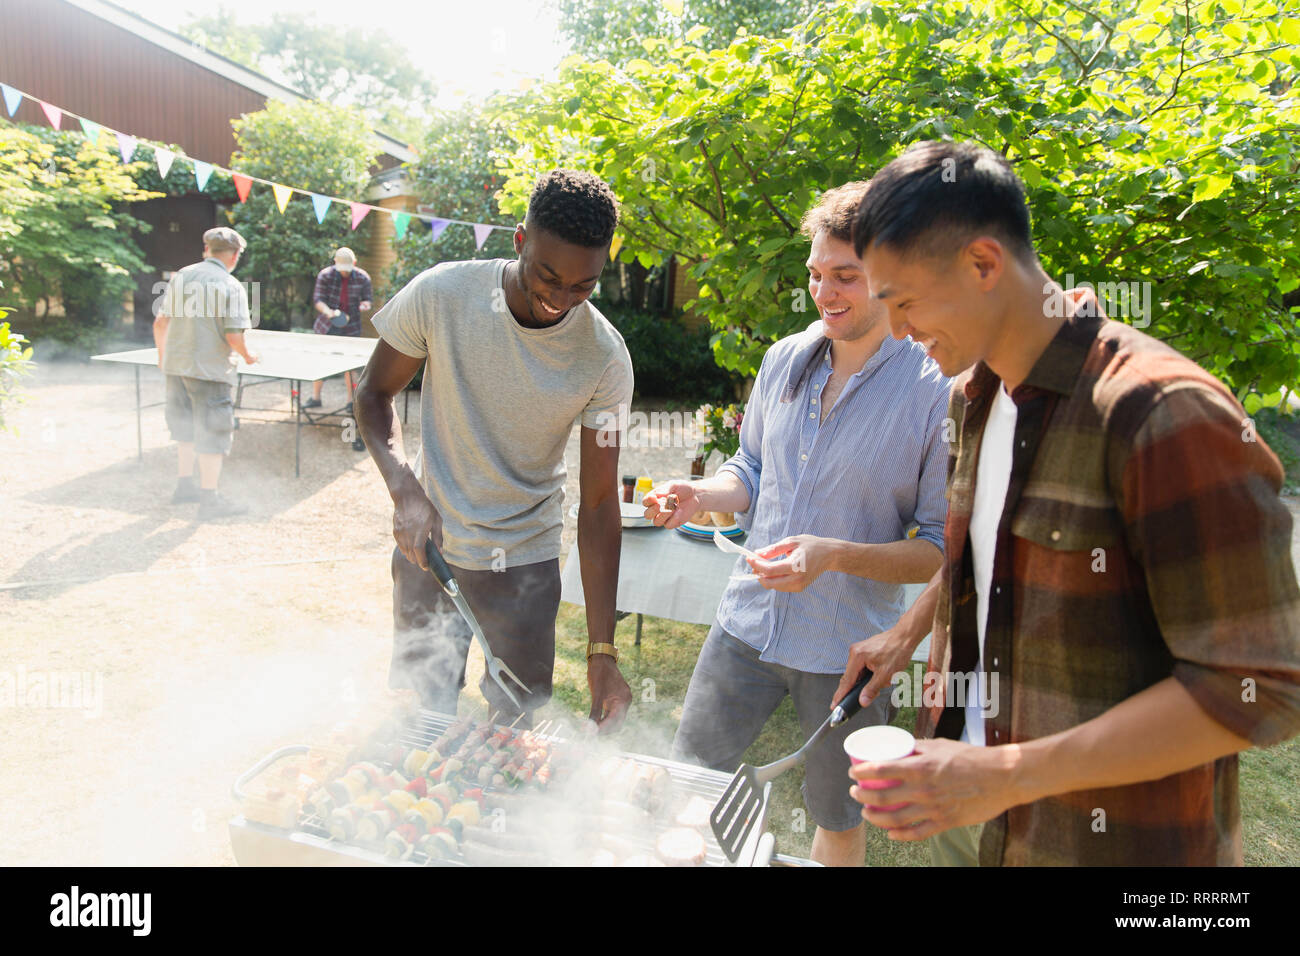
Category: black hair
<point>577,207</point>
<point>936,196</point>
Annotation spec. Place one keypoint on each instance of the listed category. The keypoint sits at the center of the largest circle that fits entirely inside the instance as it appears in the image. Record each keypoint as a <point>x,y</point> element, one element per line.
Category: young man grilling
<point>1116,556</point>
<point>514,355</point>
<point>840,451</point>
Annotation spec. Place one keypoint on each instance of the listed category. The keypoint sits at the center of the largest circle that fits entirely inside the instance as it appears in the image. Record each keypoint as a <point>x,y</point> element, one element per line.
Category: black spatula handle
<point>850,703</point>
<point>437,565</point>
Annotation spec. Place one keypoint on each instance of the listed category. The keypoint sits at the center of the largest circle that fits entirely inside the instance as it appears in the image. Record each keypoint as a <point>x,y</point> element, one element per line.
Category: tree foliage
<point>616,30</point>
<point>455,175</point>
<point>1157,143</point>
<point>315,146</point>
<point>15,362</point>
<point>64,225</point>
<point>333,62</point>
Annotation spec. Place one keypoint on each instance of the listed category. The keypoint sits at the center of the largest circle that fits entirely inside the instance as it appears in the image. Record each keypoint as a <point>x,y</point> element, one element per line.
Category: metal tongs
<point>497,670</point>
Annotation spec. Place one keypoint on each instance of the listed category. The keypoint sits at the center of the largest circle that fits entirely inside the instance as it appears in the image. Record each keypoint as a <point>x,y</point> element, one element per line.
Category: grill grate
<point>686,780</point>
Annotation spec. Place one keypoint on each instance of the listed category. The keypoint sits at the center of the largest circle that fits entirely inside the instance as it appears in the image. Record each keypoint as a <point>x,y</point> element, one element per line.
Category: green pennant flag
<point>92,130</point>
<point>400,221</point>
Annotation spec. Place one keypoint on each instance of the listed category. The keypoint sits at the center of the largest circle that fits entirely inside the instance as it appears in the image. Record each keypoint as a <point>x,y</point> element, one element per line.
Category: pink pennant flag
<point>164,158</point>
<point>282,195</point>
<point>481,232</point>
<point>359,211</point>
<point>52,113</point>
<point>126,146</point>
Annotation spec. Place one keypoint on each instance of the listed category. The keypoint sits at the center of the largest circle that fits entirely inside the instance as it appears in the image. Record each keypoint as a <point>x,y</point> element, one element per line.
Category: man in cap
<point>343,292</point>
<point>199,329</point>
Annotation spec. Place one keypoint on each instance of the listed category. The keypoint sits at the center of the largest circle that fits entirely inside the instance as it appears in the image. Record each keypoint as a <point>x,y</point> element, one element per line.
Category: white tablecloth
<point>665,574</point>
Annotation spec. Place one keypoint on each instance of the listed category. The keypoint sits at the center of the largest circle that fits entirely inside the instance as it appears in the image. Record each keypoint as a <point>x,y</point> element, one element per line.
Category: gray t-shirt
<point>498,404</point>
<point>204,302</point>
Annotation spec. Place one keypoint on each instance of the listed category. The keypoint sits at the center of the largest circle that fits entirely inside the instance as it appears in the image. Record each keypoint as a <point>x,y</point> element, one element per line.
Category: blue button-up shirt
<point>874,467</point>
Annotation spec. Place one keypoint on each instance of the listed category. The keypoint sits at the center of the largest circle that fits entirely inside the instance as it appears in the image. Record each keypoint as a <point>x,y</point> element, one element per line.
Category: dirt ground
<point>215,643</point>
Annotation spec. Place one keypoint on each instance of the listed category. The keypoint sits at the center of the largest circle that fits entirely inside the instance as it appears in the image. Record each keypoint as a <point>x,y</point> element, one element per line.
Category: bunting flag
<point>12,98</point>
<point>126,146</point>
<point>164,158</point>
<point>282,195</point>
<point>92,131</point>
<point>614,246</point>
<point>202,171</point>
<point>52,113</point>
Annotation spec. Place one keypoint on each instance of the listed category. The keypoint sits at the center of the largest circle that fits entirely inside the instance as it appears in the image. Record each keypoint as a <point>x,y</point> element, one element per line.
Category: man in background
<point>199,330</point>
<point>343,291</point>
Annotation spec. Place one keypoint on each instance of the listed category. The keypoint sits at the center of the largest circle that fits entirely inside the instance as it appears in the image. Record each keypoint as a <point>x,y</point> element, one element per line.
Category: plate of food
<point>707,522</point>
<point>633,514</point>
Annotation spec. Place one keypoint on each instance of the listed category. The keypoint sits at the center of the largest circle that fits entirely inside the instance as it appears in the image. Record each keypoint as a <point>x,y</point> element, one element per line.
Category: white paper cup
<point>876,745</point>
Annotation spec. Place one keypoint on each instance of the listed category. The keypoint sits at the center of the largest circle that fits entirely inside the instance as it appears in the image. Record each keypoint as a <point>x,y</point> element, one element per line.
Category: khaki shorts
<point>201,412</point>
<point>959,846</point>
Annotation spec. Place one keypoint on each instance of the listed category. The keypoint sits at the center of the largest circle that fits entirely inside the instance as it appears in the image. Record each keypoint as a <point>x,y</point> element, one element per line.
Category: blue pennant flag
<point>321,204</point>
<point>202,171</point>
<point>12,98</point>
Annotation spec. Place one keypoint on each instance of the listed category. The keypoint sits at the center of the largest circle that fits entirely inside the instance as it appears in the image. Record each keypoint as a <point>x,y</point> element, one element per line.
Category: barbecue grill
<point>309,843</point>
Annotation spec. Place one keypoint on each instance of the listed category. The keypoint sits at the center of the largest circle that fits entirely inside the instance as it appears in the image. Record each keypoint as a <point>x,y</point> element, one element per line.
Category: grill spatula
<point>740,806</point>
<point>497,670</point>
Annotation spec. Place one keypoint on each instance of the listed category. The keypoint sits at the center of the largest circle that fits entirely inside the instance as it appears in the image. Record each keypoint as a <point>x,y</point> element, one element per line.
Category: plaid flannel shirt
<point>329,283</point>
<point>1142,537</point>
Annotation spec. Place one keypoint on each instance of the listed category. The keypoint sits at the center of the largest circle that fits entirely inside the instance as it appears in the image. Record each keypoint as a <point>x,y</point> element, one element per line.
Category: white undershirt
<point>992,476</point>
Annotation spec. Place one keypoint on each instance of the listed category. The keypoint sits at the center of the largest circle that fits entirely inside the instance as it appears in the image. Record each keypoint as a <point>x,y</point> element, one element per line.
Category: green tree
<point>15,362</point>
<point>616,30</point>
<point>456,176</point>
<point>65,228</point>
<point>332,62</point>
<point>1157,143</point>
<point>315,146</point>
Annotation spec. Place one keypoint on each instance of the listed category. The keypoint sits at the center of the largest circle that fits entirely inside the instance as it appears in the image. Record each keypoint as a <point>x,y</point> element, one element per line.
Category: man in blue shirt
<point>841,451</point>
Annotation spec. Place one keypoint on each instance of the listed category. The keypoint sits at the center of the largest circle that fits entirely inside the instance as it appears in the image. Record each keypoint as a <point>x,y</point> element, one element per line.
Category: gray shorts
<point>732,694</point>
<point>515,607</point>
<point>201,412</point>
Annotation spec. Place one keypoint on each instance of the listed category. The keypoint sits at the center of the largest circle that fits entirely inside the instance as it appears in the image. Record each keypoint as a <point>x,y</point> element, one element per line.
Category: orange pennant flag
<point>242,185</point>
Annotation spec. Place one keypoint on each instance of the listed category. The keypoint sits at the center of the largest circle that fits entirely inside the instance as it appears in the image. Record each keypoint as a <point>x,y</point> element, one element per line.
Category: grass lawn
<point>660,669</point>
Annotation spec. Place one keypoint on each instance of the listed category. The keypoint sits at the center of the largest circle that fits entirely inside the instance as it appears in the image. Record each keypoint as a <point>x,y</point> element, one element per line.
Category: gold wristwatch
<point>594,649</point>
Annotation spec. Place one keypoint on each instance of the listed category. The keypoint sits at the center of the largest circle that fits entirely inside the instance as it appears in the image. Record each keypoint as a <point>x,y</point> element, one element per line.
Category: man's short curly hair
<point>834,212</point>
<point>575,206</point>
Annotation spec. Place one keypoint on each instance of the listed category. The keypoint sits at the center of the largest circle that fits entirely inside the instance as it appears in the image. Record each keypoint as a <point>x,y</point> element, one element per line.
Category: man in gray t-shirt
<point>198,331</point>
<point>513,356</point>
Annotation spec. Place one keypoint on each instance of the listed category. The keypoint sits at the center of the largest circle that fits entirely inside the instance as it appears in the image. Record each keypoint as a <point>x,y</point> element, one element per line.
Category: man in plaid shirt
<point>343,291</point>
<point>1118,596</point>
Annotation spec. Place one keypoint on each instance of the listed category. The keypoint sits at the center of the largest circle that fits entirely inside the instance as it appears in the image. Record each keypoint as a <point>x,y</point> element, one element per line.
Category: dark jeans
<point>516,608</point>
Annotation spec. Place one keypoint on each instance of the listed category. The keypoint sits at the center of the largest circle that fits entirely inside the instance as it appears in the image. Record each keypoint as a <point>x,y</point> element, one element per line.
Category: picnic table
<point>290,357</point>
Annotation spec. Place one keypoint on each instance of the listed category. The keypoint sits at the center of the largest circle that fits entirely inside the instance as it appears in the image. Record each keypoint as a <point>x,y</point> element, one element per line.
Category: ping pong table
<point>293,357</point>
